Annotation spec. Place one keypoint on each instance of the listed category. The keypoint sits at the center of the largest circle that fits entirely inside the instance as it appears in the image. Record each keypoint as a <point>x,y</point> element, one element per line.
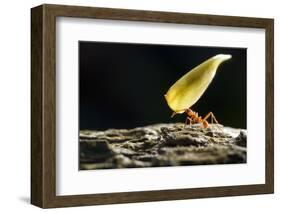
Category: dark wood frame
<point>43,105</point>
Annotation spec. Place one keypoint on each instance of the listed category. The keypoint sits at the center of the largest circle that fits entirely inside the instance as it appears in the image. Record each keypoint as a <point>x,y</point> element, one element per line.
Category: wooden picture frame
<point>43,105</point>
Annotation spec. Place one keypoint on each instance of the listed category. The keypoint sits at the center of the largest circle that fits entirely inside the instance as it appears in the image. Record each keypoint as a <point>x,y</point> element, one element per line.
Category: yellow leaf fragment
<point>190,87</point>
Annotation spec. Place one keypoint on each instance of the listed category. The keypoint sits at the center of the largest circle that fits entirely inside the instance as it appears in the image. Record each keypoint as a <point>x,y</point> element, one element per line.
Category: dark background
<point>122,85</point>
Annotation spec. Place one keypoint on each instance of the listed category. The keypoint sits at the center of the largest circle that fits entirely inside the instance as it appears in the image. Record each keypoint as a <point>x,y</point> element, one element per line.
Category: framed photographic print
<point>136,106</point>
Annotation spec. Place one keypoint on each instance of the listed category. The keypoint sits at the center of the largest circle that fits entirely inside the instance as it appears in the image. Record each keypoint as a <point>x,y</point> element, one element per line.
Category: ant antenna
<point>174,113</point>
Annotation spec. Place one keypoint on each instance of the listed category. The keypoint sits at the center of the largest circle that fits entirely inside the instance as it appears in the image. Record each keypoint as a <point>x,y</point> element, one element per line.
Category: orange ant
<point>193,118</point>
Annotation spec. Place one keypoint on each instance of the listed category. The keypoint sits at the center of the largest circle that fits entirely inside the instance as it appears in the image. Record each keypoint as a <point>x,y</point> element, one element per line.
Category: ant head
<point>189,112</point>
<point>205,124</point>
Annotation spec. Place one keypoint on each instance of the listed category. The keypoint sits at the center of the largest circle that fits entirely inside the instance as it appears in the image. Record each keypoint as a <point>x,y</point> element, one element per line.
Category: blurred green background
<point>122,85</point>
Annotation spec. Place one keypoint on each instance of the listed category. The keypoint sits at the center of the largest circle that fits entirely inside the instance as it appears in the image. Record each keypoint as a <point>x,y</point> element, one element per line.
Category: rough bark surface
<point>162,145</point>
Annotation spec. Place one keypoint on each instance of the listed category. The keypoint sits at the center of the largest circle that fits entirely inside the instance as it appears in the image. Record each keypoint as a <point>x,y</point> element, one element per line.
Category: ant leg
<point>190,121</point>
<point>213,118</point>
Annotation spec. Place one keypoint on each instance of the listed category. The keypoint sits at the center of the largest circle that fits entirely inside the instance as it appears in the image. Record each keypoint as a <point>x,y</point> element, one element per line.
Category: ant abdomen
<point>205,124</point>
